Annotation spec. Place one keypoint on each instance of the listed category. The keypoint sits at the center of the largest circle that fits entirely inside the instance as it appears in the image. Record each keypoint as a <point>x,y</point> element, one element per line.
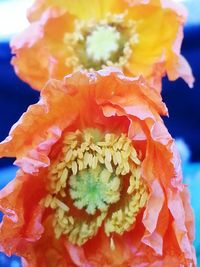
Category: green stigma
<point>94,189</point>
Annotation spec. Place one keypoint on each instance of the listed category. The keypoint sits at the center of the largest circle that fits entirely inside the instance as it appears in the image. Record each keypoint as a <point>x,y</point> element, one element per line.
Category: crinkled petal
<point>22,221</point>
<point>155,203</point>
<point>79,8</point>
<point>177,210</point>
<point>45,122</point>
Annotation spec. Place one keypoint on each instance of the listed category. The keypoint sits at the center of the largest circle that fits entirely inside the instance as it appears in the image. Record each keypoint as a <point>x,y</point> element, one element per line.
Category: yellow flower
<point>141,37</point>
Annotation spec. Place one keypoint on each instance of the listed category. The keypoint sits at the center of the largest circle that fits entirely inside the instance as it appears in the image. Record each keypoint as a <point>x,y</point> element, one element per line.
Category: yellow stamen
<point>112,244</point>
<point>124,218</point>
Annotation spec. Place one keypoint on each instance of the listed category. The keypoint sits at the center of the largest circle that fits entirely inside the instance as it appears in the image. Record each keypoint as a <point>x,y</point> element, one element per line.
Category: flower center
<point>94,45</point>
<point>102,42</point>
<point>95,181</point>
<point>94,189</point>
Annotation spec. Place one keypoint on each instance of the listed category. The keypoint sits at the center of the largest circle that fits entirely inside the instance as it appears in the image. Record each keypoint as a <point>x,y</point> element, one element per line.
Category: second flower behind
<point>66,36</point>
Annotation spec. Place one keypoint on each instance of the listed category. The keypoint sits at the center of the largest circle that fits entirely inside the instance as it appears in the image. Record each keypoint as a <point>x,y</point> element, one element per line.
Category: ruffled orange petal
<point>177,210</point>
<point>46,118</point>
<point>44,39</point>
<point>45,122</point>
<point>27,68</point>
<point>47,251</point>
<point>97,252</point>
<point>179,67</point>
<point>22,221</point>
<point>164,174</point>
<point>39,7</point>
<point>80,8</point>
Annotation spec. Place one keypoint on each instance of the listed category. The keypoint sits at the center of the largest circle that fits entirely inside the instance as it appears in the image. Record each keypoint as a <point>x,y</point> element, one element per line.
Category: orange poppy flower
<point>141,37</point>
<point>99,182</point>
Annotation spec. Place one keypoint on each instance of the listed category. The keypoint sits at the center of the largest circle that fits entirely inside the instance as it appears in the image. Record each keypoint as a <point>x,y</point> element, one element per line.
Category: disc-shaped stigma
<point>94,189</point>
<point>102,42</point>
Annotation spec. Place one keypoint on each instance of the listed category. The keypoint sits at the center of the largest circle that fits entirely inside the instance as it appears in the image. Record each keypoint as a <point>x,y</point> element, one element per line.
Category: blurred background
<point>183,103</point>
